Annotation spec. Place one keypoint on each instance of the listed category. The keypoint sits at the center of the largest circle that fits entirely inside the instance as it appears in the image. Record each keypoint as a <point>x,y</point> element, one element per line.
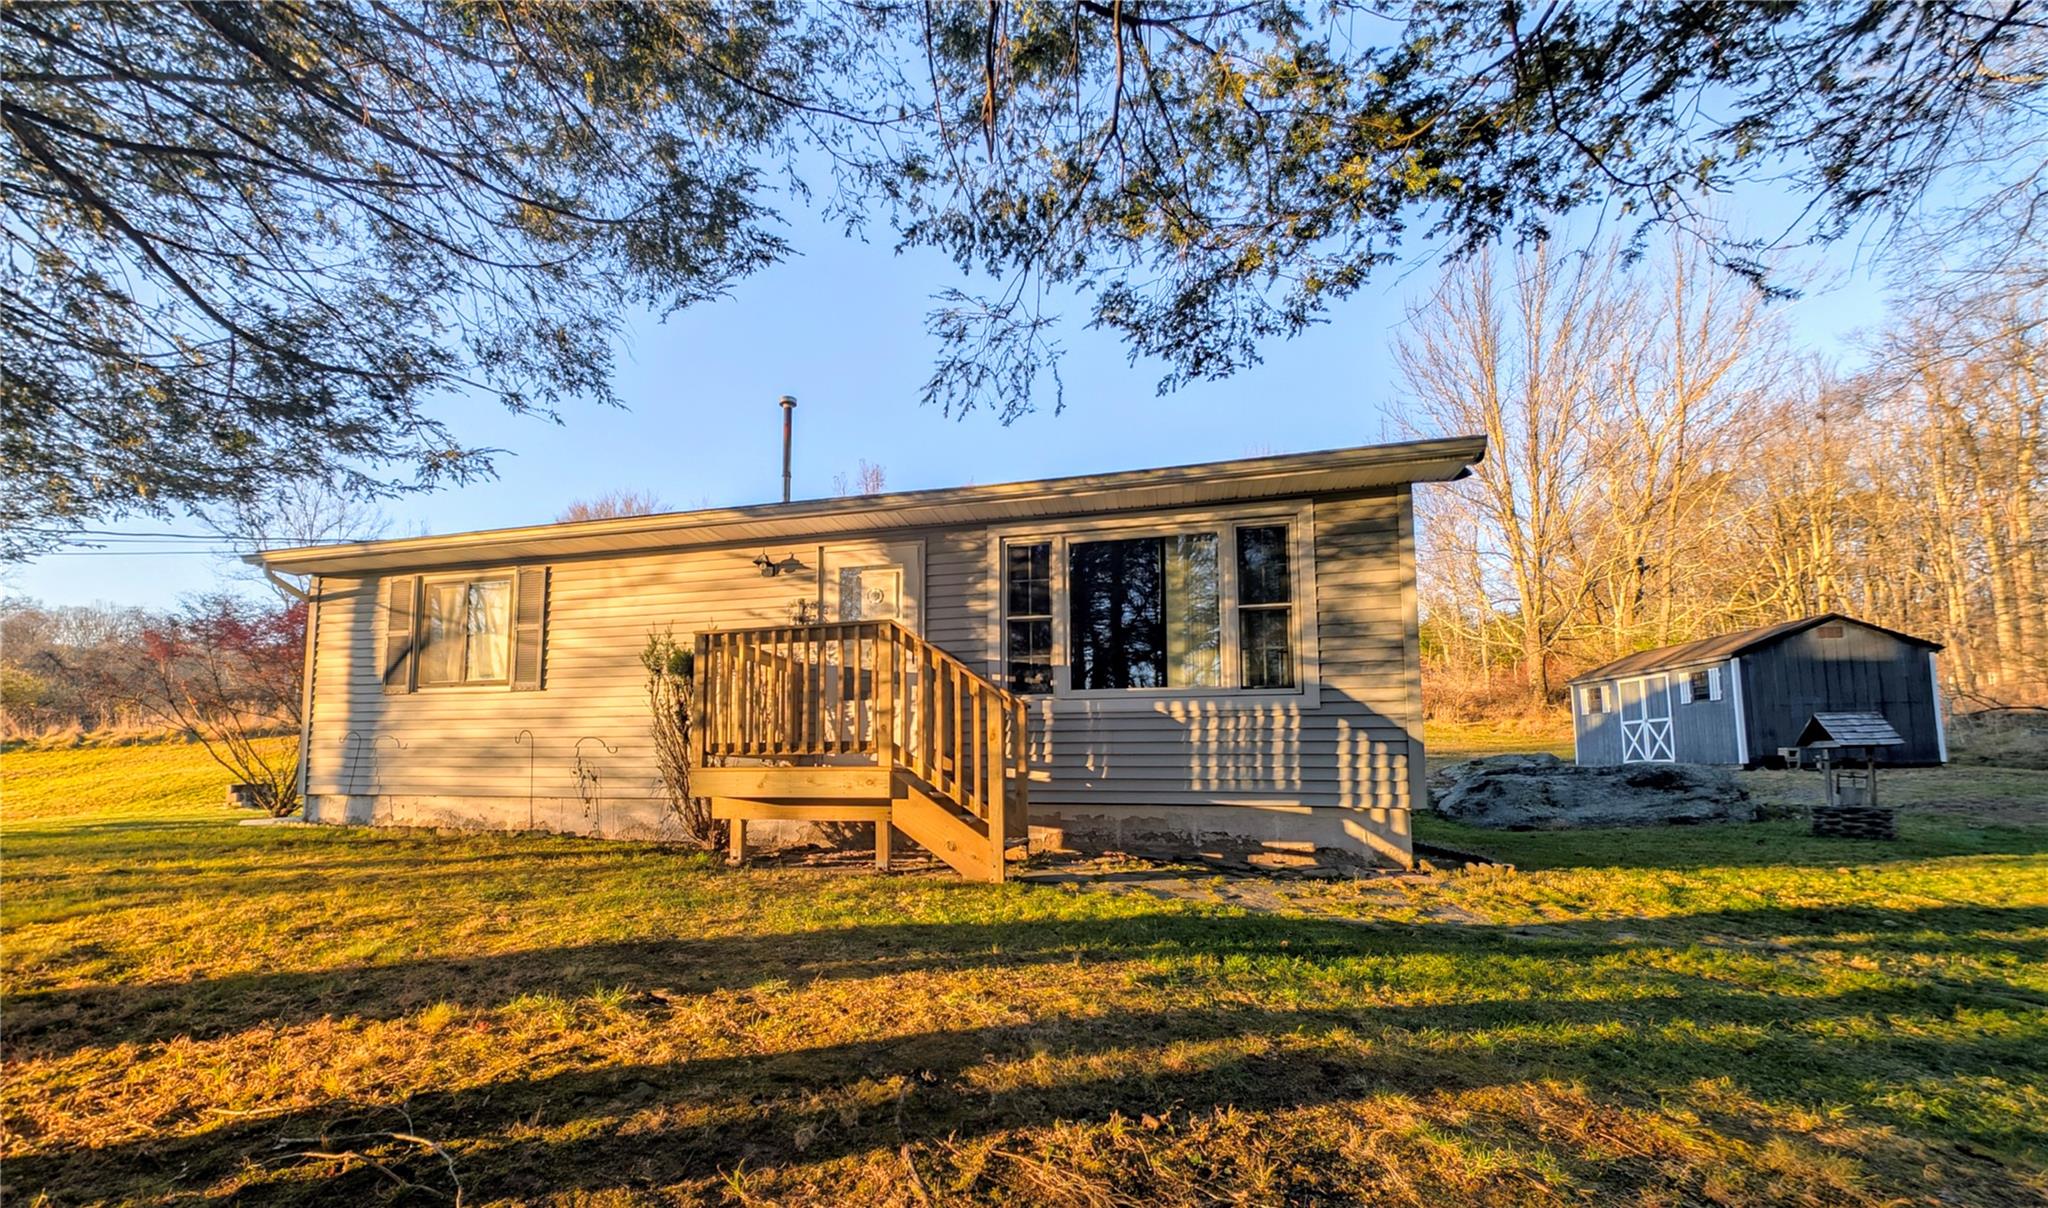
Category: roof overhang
<point>1335,471</point>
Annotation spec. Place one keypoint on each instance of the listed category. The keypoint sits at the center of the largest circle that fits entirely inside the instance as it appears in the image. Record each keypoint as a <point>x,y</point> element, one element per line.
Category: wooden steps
<point>949,835</point>
<point>859,722</point>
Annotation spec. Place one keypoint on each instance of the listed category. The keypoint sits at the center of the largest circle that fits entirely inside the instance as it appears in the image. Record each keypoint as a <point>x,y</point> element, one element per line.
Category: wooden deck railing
<point>860,692</point>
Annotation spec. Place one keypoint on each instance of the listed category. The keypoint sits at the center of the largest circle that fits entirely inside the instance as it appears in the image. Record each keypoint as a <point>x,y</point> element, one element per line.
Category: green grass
<point>1738,1015</point>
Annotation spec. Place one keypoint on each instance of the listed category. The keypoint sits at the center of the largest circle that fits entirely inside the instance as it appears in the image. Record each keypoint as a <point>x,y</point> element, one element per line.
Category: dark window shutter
<point>529,628</point>
<point>399,594</point>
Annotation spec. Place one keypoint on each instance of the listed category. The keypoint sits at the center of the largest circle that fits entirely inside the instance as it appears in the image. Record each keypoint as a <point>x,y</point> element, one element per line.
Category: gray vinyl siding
<point>1360,747</point>
<point>465,741</point>
<point>1704,731</point>
<point>1350,750</point>
<point>1599,734</point>
<point>1865,669</point>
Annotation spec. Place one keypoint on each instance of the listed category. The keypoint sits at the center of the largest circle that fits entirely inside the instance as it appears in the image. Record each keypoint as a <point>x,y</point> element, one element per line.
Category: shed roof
<point>1728,645</point>
<point>1332,471</point>
<point>1849,730</point>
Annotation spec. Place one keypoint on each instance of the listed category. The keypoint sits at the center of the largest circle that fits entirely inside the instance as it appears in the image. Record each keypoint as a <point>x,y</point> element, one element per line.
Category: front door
<point>1646,720</point>
<point>872,581</point>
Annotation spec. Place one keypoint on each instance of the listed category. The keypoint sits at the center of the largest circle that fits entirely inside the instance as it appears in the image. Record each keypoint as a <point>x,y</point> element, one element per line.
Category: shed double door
<point>1646,720</point>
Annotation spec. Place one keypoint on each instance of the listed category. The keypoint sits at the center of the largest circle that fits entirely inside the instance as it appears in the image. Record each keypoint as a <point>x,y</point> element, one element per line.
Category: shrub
<point>671,688</point>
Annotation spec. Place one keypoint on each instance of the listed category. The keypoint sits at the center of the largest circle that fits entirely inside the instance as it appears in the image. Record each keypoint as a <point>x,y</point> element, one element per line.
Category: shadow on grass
<point>1784,844</point>
<point>649,1125</point>
<point>51,1023</point>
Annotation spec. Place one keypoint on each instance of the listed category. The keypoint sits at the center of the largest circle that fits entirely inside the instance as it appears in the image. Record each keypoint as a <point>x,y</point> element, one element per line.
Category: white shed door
<point>1646,720</point>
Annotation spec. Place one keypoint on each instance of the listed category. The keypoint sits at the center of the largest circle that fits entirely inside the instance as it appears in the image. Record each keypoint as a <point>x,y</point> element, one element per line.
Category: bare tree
<point>1661,469</point>
<point>293,511</point>
<point>869,478</point>
<point>613,505</point>
<point>1522,363</point>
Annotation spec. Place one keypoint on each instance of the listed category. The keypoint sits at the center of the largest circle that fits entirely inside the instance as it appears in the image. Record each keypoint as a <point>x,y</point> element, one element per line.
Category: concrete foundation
<point>1372,836</point>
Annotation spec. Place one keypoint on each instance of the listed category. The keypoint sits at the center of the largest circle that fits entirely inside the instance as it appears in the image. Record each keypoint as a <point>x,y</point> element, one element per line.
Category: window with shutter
<point>529,630</point>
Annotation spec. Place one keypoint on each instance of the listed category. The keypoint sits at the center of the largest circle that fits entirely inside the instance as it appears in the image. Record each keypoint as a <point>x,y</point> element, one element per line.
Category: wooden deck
<point>860,722</point>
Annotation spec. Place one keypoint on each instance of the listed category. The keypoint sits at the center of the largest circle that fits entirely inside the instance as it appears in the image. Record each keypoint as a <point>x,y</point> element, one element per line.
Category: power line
<point>134,551</point>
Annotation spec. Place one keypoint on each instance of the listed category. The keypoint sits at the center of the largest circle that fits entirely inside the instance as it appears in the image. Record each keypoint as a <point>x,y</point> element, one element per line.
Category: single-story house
<point>1742,699</point>
<point>1155,658</point>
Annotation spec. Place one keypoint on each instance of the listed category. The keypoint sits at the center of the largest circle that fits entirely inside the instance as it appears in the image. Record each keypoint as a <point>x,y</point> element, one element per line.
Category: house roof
<point>1849,730</point>
<point>1727,645</point>
<point>1296,474</point>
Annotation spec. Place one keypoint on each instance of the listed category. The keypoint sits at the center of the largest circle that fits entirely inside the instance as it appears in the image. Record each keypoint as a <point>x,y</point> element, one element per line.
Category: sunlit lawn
<point>196,1009</point>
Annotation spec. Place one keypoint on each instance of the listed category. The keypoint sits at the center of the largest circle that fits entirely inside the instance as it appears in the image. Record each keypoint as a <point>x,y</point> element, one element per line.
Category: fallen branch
<point>924,1196</point>
<point>352,1155</point>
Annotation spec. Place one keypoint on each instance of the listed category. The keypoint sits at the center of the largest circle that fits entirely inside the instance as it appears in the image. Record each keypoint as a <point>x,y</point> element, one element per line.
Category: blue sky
<point>841,326</point>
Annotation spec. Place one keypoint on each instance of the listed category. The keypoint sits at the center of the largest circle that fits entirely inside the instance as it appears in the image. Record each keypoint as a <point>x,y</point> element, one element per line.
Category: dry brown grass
<point>257,1015</point>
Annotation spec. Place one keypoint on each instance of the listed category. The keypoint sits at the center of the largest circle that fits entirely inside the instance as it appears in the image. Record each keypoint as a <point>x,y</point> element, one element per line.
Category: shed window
<point>465,634</point>
<point>1703,684</point>
<point>1594,699</point>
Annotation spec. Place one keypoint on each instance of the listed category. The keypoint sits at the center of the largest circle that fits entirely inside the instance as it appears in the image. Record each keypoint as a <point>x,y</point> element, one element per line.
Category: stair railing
<point>867,690</point>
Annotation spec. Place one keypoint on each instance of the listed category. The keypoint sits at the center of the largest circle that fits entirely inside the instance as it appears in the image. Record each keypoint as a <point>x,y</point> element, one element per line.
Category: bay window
<point>1200,608</point>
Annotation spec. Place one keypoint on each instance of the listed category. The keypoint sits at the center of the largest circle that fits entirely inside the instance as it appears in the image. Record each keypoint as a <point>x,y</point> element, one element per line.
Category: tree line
<point>219,668</point>
<point>1664,466</point>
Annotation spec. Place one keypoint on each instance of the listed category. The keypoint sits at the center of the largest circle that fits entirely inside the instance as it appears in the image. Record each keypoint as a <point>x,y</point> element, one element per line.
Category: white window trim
<point>419,628</point>
<point>1741,721</point>
<point>1940,731</point>
<point>1300,519</point>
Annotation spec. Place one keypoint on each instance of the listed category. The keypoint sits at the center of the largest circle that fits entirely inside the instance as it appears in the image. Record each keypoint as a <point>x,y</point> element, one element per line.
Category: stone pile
<point>1854,822</point>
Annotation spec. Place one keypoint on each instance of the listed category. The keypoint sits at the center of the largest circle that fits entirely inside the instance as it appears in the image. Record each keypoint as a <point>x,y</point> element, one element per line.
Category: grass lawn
<point>1741,1015</point>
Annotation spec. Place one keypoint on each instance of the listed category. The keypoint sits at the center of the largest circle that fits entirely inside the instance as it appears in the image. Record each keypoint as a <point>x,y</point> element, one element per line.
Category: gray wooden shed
<point>1741,698</point>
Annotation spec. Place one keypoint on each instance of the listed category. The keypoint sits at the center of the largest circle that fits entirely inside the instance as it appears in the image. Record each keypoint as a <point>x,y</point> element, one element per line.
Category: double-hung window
<point>1027,627</point>
<point>465,631</point>
<point>1265,607</point>
<point>1203,608</point>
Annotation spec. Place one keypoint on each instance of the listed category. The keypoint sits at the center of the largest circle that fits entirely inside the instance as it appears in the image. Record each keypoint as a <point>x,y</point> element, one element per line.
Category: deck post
<point>736,849</point>
<point>885,697</point>
<point>700,712</point>
<point>882,840</point>
<point>993,762</point>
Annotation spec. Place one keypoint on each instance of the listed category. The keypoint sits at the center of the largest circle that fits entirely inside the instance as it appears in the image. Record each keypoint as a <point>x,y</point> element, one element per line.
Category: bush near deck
<point>1736,1015</point>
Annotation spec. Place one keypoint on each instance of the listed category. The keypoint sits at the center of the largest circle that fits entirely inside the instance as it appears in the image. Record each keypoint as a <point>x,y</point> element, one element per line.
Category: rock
<point>1541,792</point>
<point>1447,777</point>
<point>1854,822</point>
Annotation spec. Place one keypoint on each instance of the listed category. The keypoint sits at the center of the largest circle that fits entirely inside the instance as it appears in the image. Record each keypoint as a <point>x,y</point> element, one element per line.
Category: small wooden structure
<point>860,722</point>
<point>1851,810</point>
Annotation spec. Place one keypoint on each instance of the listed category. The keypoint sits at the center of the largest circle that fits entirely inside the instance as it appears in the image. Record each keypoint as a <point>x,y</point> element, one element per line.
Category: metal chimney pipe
<point>788,411</point>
